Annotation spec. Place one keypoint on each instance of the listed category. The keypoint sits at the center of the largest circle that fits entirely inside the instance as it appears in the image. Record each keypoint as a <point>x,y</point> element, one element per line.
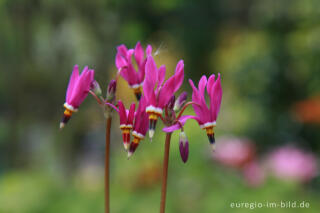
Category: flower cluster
<point>156,98</point>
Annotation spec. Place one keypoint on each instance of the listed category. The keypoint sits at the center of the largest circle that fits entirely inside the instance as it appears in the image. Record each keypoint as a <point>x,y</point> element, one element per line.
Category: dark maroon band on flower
<point>211,138</point>
<point>138,96</point>
<point>133,147</point>
<point>65,118</point>
<point>152,124</point>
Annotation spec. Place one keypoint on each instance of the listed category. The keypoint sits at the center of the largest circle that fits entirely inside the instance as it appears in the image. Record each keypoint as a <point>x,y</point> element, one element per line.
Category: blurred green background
<point>267,51</point>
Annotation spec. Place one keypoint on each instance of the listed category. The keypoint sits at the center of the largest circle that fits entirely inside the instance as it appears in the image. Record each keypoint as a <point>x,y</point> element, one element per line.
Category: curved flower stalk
<point>158,93</point>
<point>205,116</point>
<point>140,126</point>
<point>77,91</point>
<point>126,67</point>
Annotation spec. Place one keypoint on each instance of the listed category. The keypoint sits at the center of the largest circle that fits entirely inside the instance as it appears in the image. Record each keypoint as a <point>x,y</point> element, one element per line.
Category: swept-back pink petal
<point>182,122</point>
<point>124,73</point>
<point>122,49</point>
<point>139,54</point>
<point>122,113</point>
<point>73,79</point>
<point>171,85</point>
<point>200,108</point>
<point>141,71</point>
<point>202,85</point>
<point>195,93</point>
<point>120,61</point>
<point>149,92</point>
<point>215,98</point>
<point>141,121</point>
<point>149,50</point>
<point>129,55</point>
<point>210,83</point>
<point>131,114</point>
<point>132,75</point>
<point>161,75</point>
<point>166,92</point>
<point>144,126</point>
<point>179,75</point>
<point>82,87</point>
<point>151,71</point>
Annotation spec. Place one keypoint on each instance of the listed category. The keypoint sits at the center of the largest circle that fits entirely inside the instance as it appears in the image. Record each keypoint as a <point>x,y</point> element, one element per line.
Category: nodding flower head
<point>157,99</point>
<point>77,91</point>
<point>126,67</point>
<point>183,146</point>
<point>126,122</point>
<point>140,126</point>
<point>207,116</point>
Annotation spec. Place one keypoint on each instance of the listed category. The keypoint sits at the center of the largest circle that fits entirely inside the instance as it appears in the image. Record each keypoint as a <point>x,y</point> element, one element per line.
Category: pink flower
<point>157,99</point>
<point>126,122</point>
<point>77,91</point>
<point>290,163</point>
<point>126,68</point>
<point>207,116</point>
<point>254,174</point>
<point>234,152</point>
<point>140,126</point>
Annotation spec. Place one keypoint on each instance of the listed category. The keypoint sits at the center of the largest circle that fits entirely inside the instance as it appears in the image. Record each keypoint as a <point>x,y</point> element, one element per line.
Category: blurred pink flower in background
<point>234,152</point>
<point>240,154</point>
<point>254,174</point>
<point>290,163</point>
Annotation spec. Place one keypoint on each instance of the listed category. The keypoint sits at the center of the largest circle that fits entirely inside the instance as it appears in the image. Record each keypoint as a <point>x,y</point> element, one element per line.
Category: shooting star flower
<point>126,67</point>
<point>126,122</point>
<point>157,99</point>
<point>77,91</point>
<point>140,126</point>
<point>206,117</point>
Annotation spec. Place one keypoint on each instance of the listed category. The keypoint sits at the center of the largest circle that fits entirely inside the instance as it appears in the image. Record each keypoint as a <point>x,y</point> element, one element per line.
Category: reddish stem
<point>185,107</point>
<point>165,173</point>
<point>107,166</point>
<point>96,97</point>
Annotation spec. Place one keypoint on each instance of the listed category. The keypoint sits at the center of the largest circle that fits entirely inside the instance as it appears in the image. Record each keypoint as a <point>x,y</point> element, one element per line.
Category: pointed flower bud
<point>110,98</point>
<point>183,146</point>
<point>170,105</point>
<point>95,87</point>
<point>111,92</point>
<point>171,102</point>
<point>181,100</point>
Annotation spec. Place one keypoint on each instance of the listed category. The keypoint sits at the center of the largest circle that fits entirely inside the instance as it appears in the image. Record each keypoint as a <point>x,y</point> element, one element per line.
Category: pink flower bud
<point>111,92</point>
<point>95,87</point>
<point>181,100</point>
<point>184,146</point>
